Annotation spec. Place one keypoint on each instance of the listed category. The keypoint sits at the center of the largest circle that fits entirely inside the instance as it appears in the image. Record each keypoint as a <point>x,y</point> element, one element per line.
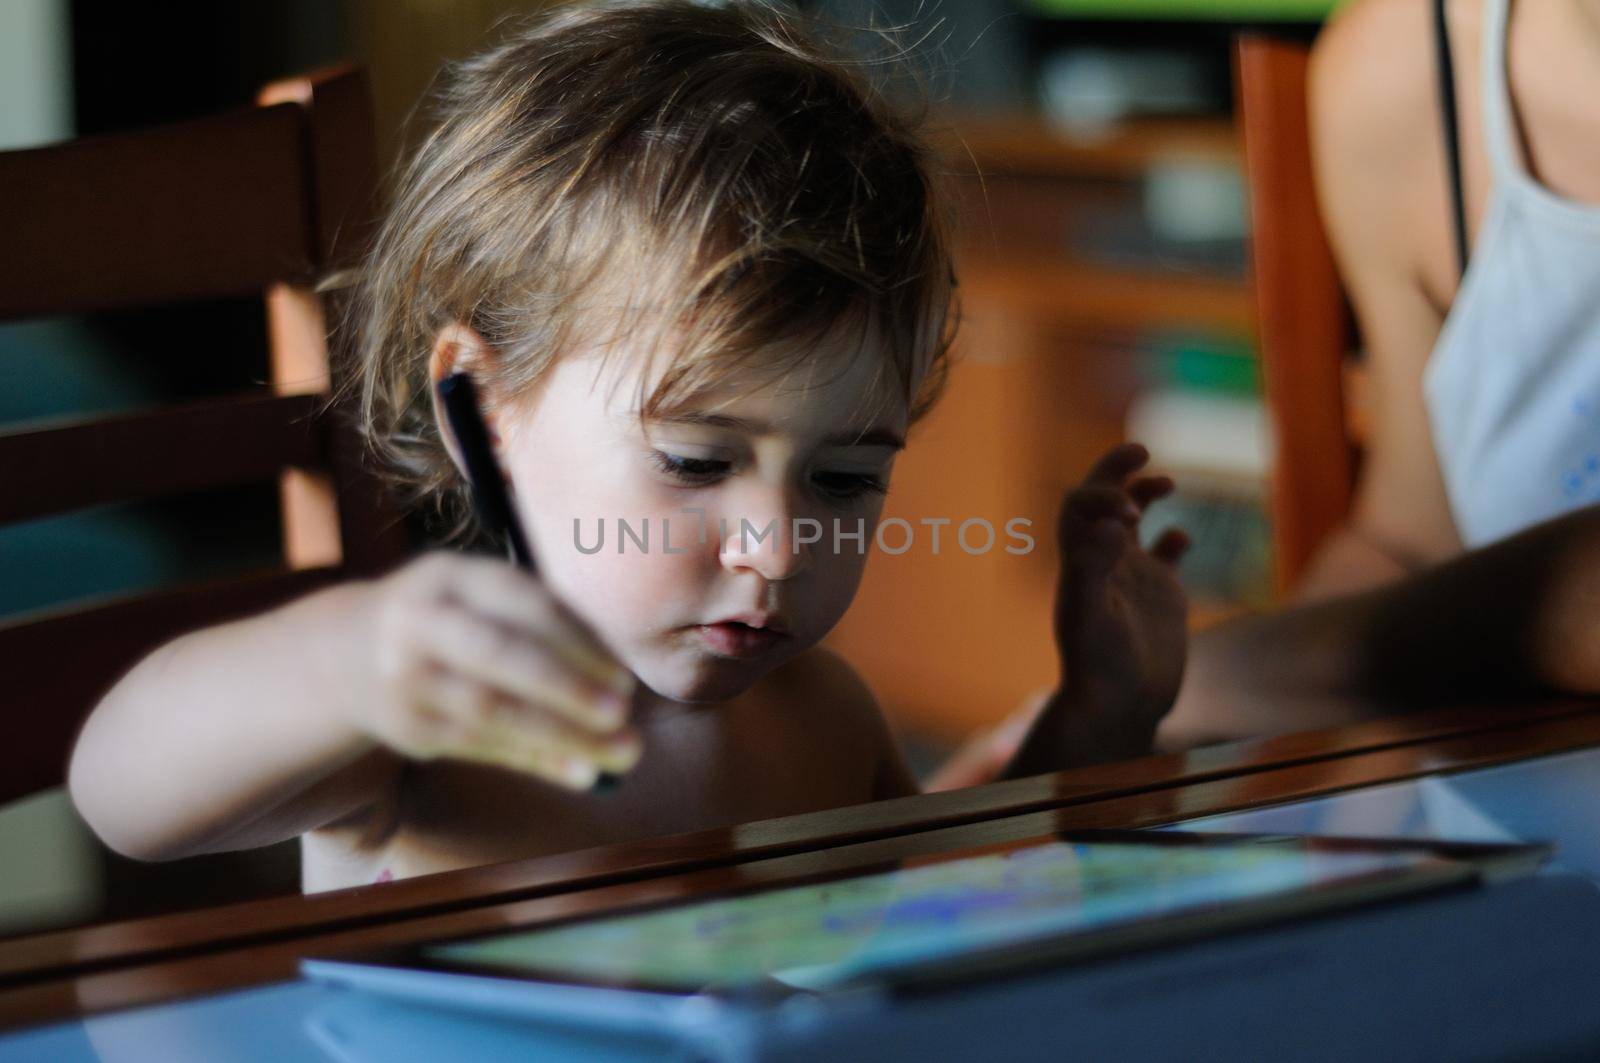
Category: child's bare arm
<point>208,742</point>
<point>258,730</point>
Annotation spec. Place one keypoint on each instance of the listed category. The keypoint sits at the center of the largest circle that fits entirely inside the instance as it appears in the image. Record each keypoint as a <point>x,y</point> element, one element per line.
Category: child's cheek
<point>643,590</point>
<point>628,591</point>
<point>844,569</point>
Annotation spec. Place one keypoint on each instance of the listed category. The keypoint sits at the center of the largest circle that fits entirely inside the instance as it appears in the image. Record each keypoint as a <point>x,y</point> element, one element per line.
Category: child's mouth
<point>730,638</point>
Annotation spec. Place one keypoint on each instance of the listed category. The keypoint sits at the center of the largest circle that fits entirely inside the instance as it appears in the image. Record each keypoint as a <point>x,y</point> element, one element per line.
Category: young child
<point>702,277</point>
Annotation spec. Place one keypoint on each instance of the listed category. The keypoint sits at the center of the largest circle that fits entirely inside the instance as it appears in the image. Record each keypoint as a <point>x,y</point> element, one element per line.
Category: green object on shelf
<point>1194,363</point>
<point>1206,10</point>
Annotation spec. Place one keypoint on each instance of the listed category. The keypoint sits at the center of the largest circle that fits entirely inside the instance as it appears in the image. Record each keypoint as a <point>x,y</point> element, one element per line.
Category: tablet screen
<point>836,932</point>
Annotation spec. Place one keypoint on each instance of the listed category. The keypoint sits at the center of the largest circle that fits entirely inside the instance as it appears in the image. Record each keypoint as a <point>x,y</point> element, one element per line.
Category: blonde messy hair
<point>715,175</point>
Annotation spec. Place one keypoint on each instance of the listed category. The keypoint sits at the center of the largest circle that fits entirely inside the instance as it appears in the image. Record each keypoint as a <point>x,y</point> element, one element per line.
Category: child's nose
<point>771,544</point>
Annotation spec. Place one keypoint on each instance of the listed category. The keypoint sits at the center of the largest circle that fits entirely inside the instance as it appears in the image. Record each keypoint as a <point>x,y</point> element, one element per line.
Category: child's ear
<point>460,349</point>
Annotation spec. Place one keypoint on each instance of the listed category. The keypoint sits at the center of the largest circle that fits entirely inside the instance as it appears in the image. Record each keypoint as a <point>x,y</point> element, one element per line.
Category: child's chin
<point>707,681</point>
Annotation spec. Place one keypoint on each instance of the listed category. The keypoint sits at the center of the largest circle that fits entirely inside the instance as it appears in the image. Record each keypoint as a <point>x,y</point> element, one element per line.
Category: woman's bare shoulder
<point>1378,154</point>
<point>1373,85</point>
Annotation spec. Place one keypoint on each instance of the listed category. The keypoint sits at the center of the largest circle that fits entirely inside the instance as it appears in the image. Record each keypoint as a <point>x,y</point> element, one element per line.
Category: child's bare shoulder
<point>821,672</point>
<point>822,692</point>
<point>814,729</point>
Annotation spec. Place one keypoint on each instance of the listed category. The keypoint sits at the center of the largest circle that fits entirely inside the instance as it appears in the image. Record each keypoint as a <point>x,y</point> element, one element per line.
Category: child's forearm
<point>233,736</point>
<point>1518,616</point>
<point>1068,734</point>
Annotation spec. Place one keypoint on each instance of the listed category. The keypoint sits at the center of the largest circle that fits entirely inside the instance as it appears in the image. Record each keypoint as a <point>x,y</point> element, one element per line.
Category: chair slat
<point>57,666</point>
<point>337,102</point>
<point>98,223</point>
<point>259,202</point>
<point>1302,323</point>
<point>241,439</point>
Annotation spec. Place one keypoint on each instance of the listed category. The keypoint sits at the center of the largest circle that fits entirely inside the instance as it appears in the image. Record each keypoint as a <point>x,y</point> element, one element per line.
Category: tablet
<point>934,921</point>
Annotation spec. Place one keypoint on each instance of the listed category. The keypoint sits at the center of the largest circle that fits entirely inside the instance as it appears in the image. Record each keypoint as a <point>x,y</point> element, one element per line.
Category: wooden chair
<point>264,200</point>
<point>1303,322</point>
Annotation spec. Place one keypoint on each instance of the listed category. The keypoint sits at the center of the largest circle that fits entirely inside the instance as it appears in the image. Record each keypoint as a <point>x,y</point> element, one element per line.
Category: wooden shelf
<point>1007,266</point>
<point>1060,290</point>
<point>1027,145</point>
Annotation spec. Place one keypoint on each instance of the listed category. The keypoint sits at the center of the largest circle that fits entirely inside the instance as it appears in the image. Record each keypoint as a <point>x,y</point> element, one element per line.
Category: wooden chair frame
<point>1303,322</point>
<point>264,200</point>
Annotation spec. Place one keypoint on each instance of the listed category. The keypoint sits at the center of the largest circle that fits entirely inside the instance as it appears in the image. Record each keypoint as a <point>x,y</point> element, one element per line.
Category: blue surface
<point>296,1020</point>
<point>1552,799</point>
<point>264,1025</point>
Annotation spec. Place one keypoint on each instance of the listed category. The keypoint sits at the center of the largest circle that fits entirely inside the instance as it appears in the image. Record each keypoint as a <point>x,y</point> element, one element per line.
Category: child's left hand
<point>1121,613</point>
<point>1121,630</point>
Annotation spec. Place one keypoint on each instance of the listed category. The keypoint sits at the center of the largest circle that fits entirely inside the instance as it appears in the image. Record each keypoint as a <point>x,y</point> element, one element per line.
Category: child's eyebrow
<point>867,437</point>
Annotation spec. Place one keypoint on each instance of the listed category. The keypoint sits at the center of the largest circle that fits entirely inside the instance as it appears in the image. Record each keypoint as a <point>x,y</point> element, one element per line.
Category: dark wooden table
<point>54,976</point>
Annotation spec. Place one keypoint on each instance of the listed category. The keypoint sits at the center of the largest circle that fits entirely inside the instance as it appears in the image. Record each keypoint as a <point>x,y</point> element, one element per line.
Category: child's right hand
<point>472,658</point>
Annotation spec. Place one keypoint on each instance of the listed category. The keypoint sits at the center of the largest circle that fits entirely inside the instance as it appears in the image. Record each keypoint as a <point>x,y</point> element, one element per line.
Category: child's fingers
<point>416,728</point>
<point>484,724</point>
<point>523,602</point>
<point>516,662</point>
<point>1096,550</point>
<point>527,730</point>
<point>1093,502</point>
<point>1095,527</point>
<point>1170,546</point>
<point>1148,489</point>
<point>1117,464</point>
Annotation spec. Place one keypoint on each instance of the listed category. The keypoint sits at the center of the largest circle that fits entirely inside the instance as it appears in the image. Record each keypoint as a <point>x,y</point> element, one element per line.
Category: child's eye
<point>689,470</point>
<point>849,486</point>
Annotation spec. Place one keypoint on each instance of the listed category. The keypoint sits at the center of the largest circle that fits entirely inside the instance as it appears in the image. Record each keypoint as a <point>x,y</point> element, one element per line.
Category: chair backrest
<point>1303,322</point>
<point>263,201</point>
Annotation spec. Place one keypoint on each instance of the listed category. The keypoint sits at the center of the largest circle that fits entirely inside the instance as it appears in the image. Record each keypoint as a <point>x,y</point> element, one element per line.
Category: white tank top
<point>1513,385</point>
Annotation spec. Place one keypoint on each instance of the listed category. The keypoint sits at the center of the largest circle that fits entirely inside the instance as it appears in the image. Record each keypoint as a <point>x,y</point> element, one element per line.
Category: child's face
<point>768,454</point>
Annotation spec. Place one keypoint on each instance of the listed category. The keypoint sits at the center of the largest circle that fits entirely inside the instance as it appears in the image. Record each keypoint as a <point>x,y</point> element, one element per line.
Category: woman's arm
<point>1516,617</point>
<point>1381,179</point>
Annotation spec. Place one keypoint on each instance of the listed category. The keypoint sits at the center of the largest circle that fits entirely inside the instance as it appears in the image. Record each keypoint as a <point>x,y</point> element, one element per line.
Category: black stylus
<point>459,397</point>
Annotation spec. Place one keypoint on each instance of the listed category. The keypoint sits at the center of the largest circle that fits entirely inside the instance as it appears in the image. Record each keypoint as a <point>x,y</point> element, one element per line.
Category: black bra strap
<point>1452,140</point>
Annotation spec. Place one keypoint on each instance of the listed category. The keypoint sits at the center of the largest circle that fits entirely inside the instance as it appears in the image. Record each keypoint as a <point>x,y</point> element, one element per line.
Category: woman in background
<point>1457,153</point>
